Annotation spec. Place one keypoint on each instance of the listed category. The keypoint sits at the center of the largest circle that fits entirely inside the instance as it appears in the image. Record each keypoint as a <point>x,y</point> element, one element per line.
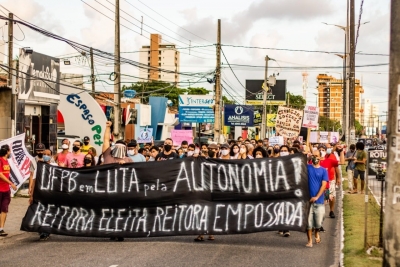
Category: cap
<point>40,146</point>
<point>86,138</point>
<point>212,146</point>
<point>132,143</point>
<point>224,146</point>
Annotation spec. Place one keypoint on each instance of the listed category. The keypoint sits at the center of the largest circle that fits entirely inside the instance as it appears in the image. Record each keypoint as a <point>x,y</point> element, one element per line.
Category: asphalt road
<point>259,249</point>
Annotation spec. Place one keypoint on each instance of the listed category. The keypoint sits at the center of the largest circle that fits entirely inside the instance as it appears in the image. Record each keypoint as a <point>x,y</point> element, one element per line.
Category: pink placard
<point>178,136</point>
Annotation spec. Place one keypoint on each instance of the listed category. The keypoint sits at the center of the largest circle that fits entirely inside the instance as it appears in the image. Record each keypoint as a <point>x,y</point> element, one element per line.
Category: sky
<point>283,24</point>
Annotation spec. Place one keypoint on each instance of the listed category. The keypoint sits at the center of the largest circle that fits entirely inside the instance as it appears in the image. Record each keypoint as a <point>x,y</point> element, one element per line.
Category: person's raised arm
<point>107,133</point>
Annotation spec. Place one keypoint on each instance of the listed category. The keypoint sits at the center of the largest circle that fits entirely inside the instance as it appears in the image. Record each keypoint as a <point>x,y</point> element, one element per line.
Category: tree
<point>358,127</point>
<point>296,101</point>
<point>327,124</point>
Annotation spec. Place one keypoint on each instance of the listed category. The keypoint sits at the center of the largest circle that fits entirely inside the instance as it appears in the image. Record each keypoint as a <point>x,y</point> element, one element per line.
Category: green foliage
<point>327,124</point>
<point>359,127</point>
<point>296,101</point>
<point>227,101</point>
<point>157,88</point>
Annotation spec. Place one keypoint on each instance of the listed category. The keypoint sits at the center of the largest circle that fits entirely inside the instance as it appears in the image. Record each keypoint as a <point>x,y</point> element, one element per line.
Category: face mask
<point>46,158</point>
<point>323,153</point>
<point>315,160</point>
<point>284,153</point>
<point>276,150</point>
<point>314,149</point>
<point>225,152</point>
<point>235,150</point>
<point>40,155</point>
<point>119,151</point>
<point>269,151</point>
<point>242,150</point>
<point>259,156</point>
<point>151,159</point>
<point>64,146</point>
<point>86,143</point>
<point>329,150</point>
<point>211,153</point>
<point>167,148</point>
<point>185,149</point>
<point>131,152</point>
<point>196,151</point>
<point>181,156</point>
<point>87,161</point>
<point>190,153</point>
<point>75,149</point>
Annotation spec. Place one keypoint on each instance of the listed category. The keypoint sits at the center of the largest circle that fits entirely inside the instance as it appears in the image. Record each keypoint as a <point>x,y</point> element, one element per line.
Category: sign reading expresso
<point>196,108</point>
<point>238,115</point>
<point>254,93</point>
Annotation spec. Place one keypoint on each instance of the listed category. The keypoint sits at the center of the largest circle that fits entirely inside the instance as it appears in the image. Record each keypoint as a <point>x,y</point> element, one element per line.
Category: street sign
<point>196,108</point>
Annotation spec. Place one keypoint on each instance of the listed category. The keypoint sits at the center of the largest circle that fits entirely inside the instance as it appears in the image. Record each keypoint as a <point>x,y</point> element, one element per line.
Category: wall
<point>5,113</point>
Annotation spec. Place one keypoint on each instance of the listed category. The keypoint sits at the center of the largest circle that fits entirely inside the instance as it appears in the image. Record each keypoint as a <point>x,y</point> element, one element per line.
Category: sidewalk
<point>16,211</point>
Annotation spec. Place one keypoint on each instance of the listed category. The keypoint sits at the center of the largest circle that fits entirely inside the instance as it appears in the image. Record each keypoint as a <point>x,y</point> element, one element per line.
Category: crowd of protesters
<point>323,166</point>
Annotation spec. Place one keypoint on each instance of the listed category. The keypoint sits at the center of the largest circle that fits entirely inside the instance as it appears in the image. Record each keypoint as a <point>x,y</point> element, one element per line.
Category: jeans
<point>316,216</point>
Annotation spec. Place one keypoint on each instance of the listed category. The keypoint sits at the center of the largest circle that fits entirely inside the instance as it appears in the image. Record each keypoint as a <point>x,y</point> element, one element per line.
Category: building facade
<point>162,60</point>
<point>330,97</point>
<point>369,119</point>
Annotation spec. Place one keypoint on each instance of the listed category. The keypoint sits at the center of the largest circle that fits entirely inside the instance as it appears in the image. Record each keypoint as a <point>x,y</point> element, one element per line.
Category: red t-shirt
<point>330,163</point>
<point>5,169</point>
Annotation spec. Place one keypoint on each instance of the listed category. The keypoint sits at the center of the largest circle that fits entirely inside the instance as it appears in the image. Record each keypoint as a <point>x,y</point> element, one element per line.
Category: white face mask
<point>259,156</point>
<point>196,151</point>
<point>242,150</point>
<point>314,148</point>
<point>131,152</point>
<point>190,153</point>
<point>329,150</point>
<point>224,152</point>
<point>64,146</point>
<point>323,153</point>
<point>284,153</point>
<point>235,150</point>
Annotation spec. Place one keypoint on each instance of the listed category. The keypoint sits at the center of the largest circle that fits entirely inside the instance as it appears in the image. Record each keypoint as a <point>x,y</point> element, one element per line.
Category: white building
<point>162,60</point>
<point>369,118</point>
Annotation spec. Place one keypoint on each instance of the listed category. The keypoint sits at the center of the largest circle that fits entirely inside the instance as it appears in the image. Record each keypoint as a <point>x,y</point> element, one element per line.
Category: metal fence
<point>374,212</point>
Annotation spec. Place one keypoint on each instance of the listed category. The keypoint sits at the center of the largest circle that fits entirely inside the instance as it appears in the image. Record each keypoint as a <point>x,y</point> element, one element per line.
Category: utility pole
<point>352,81</point>
<point>391,225</point>
<point>218,95</point>
<point>11,71</point>
<point>265,92</point>
<point>92,72</point>
<point>117,71</point>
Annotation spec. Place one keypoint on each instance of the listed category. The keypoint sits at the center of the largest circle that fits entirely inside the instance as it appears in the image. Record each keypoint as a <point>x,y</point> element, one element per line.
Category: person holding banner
<point>5,183</point>
<point>118,153</point>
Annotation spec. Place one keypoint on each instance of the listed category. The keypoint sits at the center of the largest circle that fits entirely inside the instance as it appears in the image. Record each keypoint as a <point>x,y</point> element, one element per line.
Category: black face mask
<point>269,151</point>
<point>75,149</point>
<point>87,161</point>
<point>276,150</point>
<point>167,148</point>
<point>315,160</point>
<point>86,143</point>
<point>40,155</point>
<point>211,153</point>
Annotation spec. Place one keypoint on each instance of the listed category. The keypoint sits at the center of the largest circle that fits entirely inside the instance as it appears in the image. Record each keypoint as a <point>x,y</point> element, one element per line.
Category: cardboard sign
<point>311,115</point>
<point>145,136</point>
<point>324,137</point>
<point>288,122</point>
<point>276,140</point>
<point>178,136</point>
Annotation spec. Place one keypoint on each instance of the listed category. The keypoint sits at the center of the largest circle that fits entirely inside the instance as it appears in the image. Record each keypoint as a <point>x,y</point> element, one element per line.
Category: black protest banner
<point>178,197</point>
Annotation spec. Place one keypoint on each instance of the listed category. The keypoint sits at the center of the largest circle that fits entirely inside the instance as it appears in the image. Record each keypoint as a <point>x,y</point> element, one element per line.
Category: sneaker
<point>286,234</point>
<point>44,236</point>
<point>322,229</point>
<point>332,215</point>
<point>2,233</point>
<point>280,232</point>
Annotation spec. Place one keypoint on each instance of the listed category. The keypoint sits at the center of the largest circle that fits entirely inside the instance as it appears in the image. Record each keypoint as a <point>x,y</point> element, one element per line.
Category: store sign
<point>238,115</point>
<point>255,91</point>
<point>196,108</point>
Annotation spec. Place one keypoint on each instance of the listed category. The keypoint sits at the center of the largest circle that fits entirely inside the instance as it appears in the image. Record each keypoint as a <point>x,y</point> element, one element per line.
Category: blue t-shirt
<point>138,158</point>
<point>315,178</point>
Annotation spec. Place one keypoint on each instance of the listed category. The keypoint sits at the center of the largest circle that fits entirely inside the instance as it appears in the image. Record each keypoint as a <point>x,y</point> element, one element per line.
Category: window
<point>159,58</point>
<point>149,58</point>
<point>159,52</point>
<point>159,76</point>
<point>159,64</point>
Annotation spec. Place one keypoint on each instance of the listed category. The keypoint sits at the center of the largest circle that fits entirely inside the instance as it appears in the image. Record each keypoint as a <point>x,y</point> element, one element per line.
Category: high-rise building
<point>369,118</point>
<point>330,97</point>
<point>162,60</point>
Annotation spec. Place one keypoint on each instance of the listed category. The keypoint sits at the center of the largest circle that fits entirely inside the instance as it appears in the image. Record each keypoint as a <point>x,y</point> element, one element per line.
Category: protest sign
<point>178,136</point>
<point>310,119</point>
<point>145,136</point>
<point>324,137</point>
<point>177,197</point>
<point>288,122</point>
<point>276,140</point>
<point>20,160</point>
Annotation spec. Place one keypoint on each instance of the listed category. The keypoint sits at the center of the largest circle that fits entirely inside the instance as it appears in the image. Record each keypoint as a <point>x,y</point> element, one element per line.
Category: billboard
<point>39,77</point>
<point>254,93</point>
<point>238,115</point>
<point>196,108</point>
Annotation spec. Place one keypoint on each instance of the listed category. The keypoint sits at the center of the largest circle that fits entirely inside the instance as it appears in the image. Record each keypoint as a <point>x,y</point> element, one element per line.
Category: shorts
<point>361,173</point>
<point>5,199</point>
<point>332,189</point>
<point>316,216</point>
